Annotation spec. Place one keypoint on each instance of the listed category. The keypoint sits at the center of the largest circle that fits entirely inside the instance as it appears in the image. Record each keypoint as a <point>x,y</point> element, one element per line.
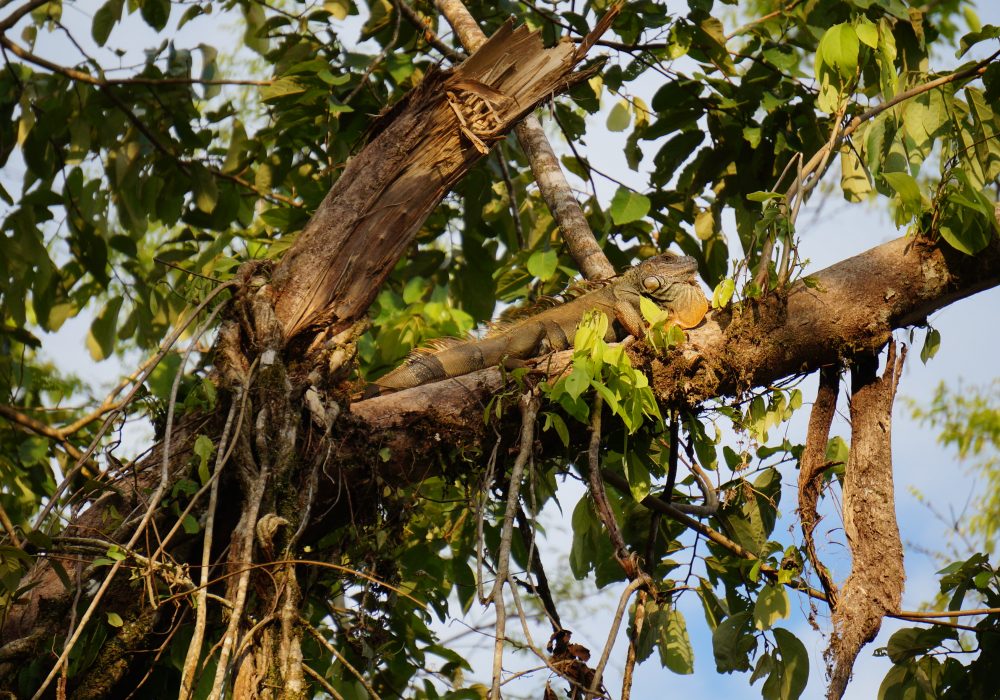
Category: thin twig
<point>82,77</point>
<point>480,508</point>
<point>600,496</point>
<point>529,409</point>
<point>246,528</point>
<point>41,429</point>
<point>8,527</point>
<point>375,62</point>
<point>515,209</point>
<point>312,673</point>
<point>812,465</point>
<point>109,403</point>
<point>552,183</point>
<point>151,508</point>
<point>164,349</point>
<point>763,18</point>
<point>631,588</point>
<point>201,601</point>
<point>429,36</point>
<point>974,70</point>
<point>15,16</point>
<point>340,657</point>
<point>630,656</point>
<point>541,586</point>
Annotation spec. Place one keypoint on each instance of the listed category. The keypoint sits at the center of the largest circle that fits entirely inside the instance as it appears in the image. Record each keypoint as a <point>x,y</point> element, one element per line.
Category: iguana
<point>667,279</point>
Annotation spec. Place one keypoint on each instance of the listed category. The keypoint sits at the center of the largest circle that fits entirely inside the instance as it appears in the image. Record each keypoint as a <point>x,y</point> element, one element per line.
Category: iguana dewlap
<point>668,280</point>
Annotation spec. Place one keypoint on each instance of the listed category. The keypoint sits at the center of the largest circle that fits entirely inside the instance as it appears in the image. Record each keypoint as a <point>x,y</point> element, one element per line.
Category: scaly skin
<point>668,280</point>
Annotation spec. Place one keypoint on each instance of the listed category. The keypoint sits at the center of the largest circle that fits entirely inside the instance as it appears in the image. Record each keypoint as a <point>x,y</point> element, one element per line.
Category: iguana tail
<point>451,361</point>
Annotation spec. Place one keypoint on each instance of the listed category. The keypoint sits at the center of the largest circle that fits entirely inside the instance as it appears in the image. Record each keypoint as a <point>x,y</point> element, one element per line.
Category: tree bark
<point>337,265</point>
<point>875,585</point>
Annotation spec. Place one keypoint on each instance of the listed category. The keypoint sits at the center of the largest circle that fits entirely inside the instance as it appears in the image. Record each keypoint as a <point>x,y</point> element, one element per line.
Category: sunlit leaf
<point>628,206</point>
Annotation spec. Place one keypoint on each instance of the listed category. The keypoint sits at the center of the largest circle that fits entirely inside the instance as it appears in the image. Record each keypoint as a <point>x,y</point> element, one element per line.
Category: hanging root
<point>875,585</point>
<point>812,466</point>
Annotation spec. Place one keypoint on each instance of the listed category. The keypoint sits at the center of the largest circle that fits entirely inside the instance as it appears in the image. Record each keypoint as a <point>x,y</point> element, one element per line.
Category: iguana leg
<point>629,317</point>
<point>510,363</point>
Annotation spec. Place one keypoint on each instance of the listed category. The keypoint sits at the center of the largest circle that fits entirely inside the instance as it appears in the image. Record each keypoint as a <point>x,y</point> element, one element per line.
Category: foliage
<point>919,672</point>
<point>968,418</point>
<point>138,182</point>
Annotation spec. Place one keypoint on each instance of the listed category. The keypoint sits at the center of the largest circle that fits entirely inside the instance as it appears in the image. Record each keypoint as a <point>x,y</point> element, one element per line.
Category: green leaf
<point>628,206</point>
<point>673,154</point>
<point>101,338</point>
<point>665,628</point>
<point>761,196</point>
<point>209,69</point>
<point>967,222</point>
<point>414,291</point>
<point>790,675</point>
<point>543,264</point>
<point>156,13</point>
<point>651,311</point>
<point>338,8</point>
<point>836,64</point>
<point>908,190</point>
<point>282,87</point>
<point>577,382</point>
<point>838,49</point>
<point>104,21</point>
<point>675,646</point>
<point>911,642</point>
<point>620,116</point>
<point>972,38</point>
<point>581,552</point>
<point>556,422</point>
<point>854,182</point>
<point>206,190</point>
<point>713,607</point>
<point>772,605</point>
<point>704,224</point>
<point>732,642</point>
<point>190,524</point>
<point>867,32</point>
<point>885,57</point>
<point>203,449</point>
<point>115,620</point>
<point>589,332</point>
<point>932,343</point>
<point>723,293</point>
<point>637,474</point>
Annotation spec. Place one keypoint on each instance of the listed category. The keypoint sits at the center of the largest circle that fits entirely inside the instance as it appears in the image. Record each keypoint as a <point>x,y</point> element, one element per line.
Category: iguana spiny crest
<point>667,279</point>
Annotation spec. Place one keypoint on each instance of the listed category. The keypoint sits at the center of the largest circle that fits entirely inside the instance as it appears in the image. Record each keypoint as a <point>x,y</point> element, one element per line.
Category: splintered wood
<point>433,137</point>
<point>475,107</point>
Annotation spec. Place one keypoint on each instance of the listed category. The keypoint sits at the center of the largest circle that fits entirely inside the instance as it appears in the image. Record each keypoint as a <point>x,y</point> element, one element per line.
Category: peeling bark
<point>552,184</point>
<point>812,465</point>
<point>337,265</point>
<point>875,585</point>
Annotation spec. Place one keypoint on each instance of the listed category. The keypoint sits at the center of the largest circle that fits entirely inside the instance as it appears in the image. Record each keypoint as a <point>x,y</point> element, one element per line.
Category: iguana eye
<point>651,283</point>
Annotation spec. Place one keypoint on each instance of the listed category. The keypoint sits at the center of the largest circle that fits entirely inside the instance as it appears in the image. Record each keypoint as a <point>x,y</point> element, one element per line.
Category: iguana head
<point>654,276</point>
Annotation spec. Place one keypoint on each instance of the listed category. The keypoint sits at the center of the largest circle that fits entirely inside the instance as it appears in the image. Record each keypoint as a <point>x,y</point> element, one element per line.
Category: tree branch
<point>849,307</point>
<point>552,183</point>
<point>336,266</point>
